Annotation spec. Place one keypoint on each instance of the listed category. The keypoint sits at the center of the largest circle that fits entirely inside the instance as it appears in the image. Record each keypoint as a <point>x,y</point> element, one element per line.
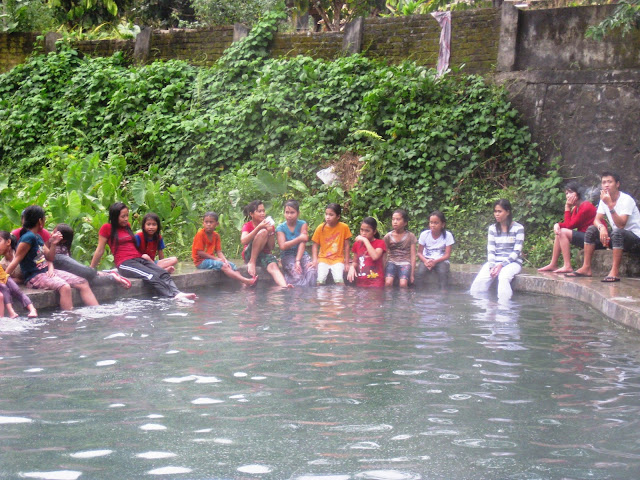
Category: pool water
<point>329,383</point>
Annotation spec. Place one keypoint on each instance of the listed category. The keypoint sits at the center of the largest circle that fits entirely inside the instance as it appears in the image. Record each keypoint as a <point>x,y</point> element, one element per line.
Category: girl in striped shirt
<point>504,248</point>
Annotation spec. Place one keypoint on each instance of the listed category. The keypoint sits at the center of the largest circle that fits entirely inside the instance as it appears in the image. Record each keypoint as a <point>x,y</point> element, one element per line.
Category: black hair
<point>337,209</point>
<point>441,217</point>
<point>114,213</point>
<point>403,213</point>
<point>67,235</point>
<point>505,205</point>
<point>292,204</point>
<point>7,236</point>
<point>373,223</point>
<point>615,176</point>
<point>252,207</point>
<point>155,218</point>
<point>213,215</point>
<point>574,187</point>
<point>30,217</point>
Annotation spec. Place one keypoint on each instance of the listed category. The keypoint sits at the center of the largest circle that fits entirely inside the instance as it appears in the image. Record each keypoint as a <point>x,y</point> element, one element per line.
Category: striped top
<point>506,247</point>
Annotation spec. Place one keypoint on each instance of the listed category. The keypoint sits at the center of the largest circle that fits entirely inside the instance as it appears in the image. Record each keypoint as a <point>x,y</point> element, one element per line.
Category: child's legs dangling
<point>504,280</point>
<point>483,280</point>
<point>323,273</point>
<point>337,272</point>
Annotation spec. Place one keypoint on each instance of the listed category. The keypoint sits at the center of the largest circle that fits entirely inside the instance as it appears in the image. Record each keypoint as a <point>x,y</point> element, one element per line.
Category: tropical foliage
<point>254,127</point>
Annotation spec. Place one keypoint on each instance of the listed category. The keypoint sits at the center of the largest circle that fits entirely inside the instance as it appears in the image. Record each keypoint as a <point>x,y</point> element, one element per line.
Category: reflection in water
<point>324,383</point>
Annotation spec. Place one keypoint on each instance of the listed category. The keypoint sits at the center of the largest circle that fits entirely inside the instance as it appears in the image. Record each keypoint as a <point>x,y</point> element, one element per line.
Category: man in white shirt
<point>621,213</point>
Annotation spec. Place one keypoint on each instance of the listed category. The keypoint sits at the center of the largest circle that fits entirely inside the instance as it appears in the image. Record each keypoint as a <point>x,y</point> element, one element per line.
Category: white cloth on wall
<point>444,19</point>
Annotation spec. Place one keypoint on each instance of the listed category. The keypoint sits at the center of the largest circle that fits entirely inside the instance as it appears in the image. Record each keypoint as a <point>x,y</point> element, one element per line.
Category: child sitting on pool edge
<point>206,251</point>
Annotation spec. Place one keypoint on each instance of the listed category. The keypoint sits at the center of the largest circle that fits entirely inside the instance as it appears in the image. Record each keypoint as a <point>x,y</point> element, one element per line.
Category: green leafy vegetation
<point>625,17</point>
<point>254,127</point>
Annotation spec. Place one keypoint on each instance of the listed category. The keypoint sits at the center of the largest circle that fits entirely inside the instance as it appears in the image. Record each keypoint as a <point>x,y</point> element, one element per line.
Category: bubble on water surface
<point>169,471</point>
<point>239,374</point>
<point>387,475</point>
<point>213,323</point>
<point>196,338</point>
<point>117,405</point>
<point>55,475</point>
<point>234,397</point>
<point>450,410</point>
<point>549,421</point>
<point>155,455</point>
<point>204,430</point>
<point>259,377</point>
<point>106,363</point>
<point>434,391</point>
<point>206,401</point>
<point>92,453</point>
<point>34,370</point>
<point>152,427</point>
<point>409,372</point>
<point>155,415</point>
<point>362,428</point>
<point>254,469</point>
<point>449,376</point>
<point>115,335</point>
<point>177,314</point>
<point>459,396</point>
<point>172,352</point>
<point>7,420</point>
<point>401,437</point>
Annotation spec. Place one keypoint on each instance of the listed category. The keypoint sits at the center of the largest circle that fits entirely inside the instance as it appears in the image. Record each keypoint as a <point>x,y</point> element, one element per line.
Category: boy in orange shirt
<point>206,251</point>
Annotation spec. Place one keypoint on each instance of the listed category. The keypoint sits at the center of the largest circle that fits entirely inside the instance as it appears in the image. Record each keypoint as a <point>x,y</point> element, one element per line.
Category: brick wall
<point>475,36</point>
<point>14,49</point>
<point>474,39</point>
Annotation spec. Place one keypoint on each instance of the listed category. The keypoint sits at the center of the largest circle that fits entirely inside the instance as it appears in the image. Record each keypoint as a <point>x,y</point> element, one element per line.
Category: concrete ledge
<point>619,301</point>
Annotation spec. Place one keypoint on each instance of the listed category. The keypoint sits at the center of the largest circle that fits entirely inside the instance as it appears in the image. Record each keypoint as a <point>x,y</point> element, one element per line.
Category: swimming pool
<point>328,383</point>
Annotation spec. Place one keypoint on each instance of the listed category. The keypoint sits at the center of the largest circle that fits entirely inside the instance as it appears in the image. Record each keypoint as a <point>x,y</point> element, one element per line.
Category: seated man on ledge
<point>623,216</point>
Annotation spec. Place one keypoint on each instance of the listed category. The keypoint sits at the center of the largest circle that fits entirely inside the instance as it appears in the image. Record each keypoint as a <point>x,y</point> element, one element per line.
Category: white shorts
<point>337,272</point>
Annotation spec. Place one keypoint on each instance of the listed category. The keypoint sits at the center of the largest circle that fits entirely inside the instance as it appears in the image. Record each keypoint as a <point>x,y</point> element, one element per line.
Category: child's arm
<point>412,255</point>
<point>221,257</point>
<point>314,254</point>
<point>160,254</point>
<point>347,244</point>
<point>97,255</point>
<point>21,252</point>
<point>351,265</point>
<point>247,237</point>
<point>374,253</point>
<point>283,244</point>
<point>447,254</point>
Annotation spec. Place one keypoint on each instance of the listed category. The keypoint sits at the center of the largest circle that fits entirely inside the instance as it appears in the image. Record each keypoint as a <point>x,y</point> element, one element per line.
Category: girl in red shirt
<point>117,233</point>
<point>367,267</point>
<point>578,216</point>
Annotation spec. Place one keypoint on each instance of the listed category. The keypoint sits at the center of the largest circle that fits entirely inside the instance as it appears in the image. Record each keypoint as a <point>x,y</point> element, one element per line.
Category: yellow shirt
<point>3,275</point>
<point>331,241</point>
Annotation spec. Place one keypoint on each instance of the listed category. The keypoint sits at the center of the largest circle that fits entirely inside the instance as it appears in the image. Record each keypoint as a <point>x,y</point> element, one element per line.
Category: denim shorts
<point>211,264</point>
<point>401,271</point>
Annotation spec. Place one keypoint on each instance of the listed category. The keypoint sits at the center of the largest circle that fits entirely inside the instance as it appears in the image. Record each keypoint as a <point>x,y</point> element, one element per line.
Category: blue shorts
<point>401,271</point>
<point>211,264</point>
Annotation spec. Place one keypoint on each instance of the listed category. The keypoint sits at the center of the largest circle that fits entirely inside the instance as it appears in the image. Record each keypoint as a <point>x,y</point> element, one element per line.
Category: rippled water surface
<point>318,384</point>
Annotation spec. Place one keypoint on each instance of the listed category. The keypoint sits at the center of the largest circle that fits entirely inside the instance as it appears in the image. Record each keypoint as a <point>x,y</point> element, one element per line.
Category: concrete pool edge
<point>618,301</point>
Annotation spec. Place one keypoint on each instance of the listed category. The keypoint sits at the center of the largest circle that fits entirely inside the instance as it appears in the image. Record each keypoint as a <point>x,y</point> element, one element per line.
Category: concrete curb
<point>618,301</point>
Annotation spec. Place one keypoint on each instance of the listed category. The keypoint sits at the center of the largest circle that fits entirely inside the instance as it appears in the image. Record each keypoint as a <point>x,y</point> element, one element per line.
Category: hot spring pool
<point>325,383</point>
